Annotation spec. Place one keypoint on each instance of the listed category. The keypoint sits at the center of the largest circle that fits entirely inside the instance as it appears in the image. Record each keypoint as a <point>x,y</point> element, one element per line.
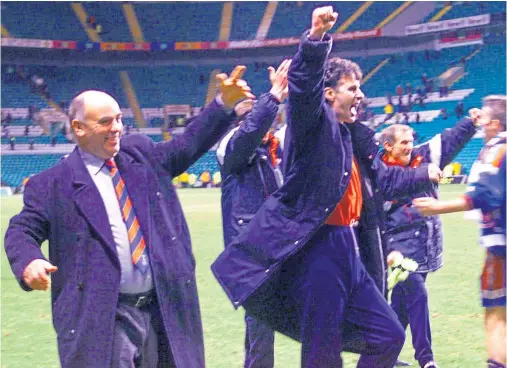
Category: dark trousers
<point>259,344</point>
<point>410,302</point>
<point>324,298</point>
<point>139,338</point>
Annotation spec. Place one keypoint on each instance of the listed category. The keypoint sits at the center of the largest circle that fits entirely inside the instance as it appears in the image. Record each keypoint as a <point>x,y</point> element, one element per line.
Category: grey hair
<point>76,108</point>
<point>389,134</point>
<point>497,104</point>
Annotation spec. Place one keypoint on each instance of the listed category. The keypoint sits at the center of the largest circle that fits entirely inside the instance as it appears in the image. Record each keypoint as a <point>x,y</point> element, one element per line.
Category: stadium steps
<point>394,14</point>
<point>265,23</point>
<point>82,15</point>
<point>132,98</point>
<point>133,23</point>
<point>212,86</point>
<point>354,17</point>
<point>425,117</point>
<point>441,13</point>
<point>226,22</point>
<point>375,70</point>
<point>456,95</point>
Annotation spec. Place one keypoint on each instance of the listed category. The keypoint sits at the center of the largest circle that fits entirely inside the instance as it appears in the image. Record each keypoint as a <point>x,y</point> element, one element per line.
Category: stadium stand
<point>460,9</point>
<point>155,86</point>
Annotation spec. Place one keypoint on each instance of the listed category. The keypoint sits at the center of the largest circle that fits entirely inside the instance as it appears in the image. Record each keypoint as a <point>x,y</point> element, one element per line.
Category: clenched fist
<point>477,117</point>
<point>323,19</point>
<point>36,274</point>
<point>434,173</point>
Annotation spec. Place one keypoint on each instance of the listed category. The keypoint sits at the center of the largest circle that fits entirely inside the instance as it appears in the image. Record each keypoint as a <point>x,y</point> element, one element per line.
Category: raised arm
<point>238,146</point>
<point>306,76</point>
<point>206,129</point>
<point>394,181</point>
<point>442,148</point>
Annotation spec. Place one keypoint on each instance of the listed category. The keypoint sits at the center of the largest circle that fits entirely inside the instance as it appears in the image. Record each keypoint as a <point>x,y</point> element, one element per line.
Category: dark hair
<point>336,68</point>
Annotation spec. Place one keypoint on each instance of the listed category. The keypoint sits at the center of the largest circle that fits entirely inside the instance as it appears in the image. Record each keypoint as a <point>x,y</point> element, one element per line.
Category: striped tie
<point>136,239</point>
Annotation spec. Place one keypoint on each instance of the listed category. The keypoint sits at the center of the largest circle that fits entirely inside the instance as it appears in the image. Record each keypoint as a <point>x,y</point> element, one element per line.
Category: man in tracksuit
<point>412,234</point>
<point>249,158</point>
<point>296,264</point>
<point>487,193</point>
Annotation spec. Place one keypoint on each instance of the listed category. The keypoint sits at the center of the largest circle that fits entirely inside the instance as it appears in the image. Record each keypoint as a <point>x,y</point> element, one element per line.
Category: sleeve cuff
<point>220,103</point>
<point>316,49</point>
<point>469,200</point>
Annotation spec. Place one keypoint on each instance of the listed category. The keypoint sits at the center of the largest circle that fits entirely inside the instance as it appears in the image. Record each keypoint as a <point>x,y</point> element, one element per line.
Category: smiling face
<point>98,126</point>
<point>401,149</point>
<point>345,98</point>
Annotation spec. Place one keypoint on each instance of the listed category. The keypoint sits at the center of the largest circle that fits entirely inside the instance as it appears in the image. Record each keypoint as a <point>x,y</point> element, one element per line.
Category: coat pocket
<point>411,243</point>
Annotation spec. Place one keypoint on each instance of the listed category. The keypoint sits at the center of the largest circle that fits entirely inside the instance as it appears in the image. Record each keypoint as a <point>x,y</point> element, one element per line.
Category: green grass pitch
<point>28,338</point>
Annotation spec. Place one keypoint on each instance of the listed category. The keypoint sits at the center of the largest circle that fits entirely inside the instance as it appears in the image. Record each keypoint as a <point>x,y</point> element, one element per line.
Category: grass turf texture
<point>28,338</point>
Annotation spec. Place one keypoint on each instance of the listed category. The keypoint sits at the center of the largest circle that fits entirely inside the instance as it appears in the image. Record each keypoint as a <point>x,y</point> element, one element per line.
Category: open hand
<point>232,88</point>
<point>323,19</point>
<point>427,206</point>
<point>36,274</point>
<point>278,79</point>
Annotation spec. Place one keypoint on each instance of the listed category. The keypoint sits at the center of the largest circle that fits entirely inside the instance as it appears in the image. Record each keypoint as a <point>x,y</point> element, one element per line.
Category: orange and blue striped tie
<point>137,244</point>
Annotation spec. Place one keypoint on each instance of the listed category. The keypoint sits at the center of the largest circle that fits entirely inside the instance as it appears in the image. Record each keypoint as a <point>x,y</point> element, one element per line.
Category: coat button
<point>236,303</point>
<point>416,233</point>
<point>377,143</point>
<point>80,286</point>
<point>345,173</point>
<point>240,221</point>
<point>173,238</point>
<point>188,282</point>
<point>296,242</point>
<point>383,232</point>
<point>370,157</point>
<point>267,271</point>
<point>391,240</point>
<point>326,210</point>
<point>72,332</point>
<point>159,194</point>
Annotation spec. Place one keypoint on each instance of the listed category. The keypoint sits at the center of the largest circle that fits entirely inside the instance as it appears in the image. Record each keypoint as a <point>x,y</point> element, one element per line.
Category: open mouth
<point>353,110</point>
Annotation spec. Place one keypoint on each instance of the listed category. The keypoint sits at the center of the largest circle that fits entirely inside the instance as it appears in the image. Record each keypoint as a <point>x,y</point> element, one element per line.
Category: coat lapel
<point>90,203</point>
<point>135,176</point>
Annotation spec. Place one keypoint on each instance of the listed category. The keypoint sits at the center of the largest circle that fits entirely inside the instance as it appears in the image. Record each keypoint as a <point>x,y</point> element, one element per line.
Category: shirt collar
<point>93,163</point>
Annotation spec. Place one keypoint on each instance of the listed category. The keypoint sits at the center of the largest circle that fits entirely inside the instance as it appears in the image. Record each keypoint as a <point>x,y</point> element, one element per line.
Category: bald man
<point>123,284</point>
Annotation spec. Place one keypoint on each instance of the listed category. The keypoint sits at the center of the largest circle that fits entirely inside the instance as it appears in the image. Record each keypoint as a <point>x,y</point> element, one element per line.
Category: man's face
<point>401,150</point>
<point>100,133</point>
<point>491,126</point>
<point>345,98</point>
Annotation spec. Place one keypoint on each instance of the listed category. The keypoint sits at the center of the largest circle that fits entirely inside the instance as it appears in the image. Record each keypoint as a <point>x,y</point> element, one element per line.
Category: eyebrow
<point>105,119</point>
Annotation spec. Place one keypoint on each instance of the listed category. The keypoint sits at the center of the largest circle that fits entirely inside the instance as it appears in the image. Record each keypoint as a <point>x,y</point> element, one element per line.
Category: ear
<point>77,128</point>
<point>496,124</point>
<point>388,146</point>
<point>329,94</point>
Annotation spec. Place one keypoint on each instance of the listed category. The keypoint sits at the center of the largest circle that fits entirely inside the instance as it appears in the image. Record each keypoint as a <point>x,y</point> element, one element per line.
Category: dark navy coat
<point>63,205</point>
<point>248,177</point>
<point>321,159</point>
<point>416,236</point>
